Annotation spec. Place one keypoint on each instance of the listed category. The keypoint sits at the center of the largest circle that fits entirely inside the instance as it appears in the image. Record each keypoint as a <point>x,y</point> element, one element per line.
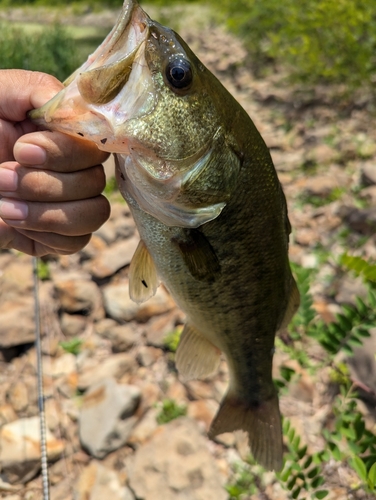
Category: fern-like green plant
<point>349,441</point>
<point>360,266</point>
<point>302,474</point>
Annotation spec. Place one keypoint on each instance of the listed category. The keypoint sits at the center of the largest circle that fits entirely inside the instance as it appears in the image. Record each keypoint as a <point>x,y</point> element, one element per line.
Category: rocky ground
<point>109,372</point>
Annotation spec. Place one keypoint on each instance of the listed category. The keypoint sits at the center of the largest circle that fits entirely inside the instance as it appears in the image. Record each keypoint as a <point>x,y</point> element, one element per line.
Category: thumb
<point>23,90</point>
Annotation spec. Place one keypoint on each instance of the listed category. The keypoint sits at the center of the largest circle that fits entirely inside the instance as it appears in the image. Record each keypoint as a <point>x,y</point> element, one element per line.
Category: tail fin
<point>262,423</point>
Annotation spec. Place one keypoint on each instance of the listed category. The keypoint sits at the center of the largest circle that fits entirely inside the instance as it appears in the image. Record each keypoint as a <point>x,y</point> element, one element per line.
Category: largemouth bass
<point>208,205</point>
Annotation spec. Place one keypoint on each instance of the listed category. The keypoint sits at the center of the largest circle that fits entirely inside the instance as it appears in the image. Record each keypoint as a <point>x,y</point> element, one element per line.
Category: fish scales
<point>208,205</point>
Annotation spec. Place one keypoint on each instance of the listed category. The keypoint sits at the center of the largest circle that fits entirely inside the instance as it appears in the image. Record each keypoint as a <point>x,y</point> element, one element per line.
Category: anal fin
<point>261,420</point>
<point>196,357</point>
<point>143,279</point>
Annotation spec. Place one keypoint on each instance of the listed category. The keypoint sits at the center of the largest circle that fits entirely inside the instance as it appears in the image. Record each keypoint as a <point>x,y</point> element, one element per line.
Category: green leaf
<point>291,483</point>
<point>362,308</point>
<point>302,451</point>
<point>308,462</point>
<point>363,332</point>
<point>349,433</point>
<point>359,426</point>
<point>291,435</point>
<point>347,349</point>
<point>72,346</point>
<point>317,481</point>
<point>354,448</point>
<point>372,477</point>
<point>336,453</point>
<point>355,342</point>
<point>295,443</point>
<point>360,468</point>
<point>284,475</point>
<point>296,492</point>
<point>344,322</point>
<point>321,494</point>
<point>313,472</point>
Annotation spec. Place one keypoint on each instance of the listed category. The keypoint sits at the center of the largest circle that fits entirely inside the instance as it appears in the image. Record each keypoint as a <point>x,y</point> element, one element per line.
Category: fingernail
<point>29,154</point>
<point>8,180</point>
<point>12,209</point>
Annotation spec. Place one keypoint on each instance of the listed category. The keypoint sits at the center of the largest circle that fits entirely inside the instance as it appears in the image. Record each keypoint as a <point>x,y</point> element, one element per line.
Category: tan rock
<point>147,356</point>
<point>18,395</point>
<point>177,392</point>
<point>122,337</point>
<point>120,307</point>
<point>7,414</point>
<point>20,449</point>
<point>175,465</point>
<point>72,324</point>
<point>115,366</point>
<point>14,332</point>
<point>77,295</point>
<point>114,258</point>
<point>96,482</point>
<point>145,428</point>
<point>203,410</point>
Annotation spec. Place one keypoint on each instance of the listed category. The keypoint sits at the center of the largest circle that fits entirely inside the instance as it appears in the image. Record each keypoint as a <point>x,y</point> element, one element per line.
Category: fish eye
<point>179,74</point>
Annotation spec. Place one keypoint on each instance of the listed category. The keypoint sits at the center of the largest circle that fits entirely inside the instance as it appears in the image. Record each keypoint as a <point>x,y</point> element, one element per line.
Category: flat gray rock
<point>106,417</point>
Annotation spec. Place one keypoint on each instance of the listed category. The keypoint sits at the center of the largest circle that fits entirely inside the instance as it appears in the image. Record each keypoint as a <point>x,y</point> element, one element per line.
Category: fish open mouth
<point>112,86</point>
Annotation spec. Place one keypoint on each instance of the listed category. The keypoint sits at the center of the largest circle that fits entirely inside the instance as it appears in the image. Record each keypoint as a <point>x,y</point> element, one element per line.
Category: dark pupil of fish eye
<point>179,74</point>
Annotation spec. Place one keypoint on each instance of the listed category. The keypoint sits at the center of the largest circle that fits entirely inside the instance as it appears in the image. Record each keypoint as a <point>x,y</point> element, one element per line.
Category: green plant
<point>51,50</point>
<point>43,270</point>
<point>169,410</point>
<point>320,201</point>
<point>348,441</point>
<point>301,473</point>
<point>111,186</point>
<point>171,340</point>
<point>360,266</point>
<point>319,40</point>
<point>244,481</point>
<point>72,346</point>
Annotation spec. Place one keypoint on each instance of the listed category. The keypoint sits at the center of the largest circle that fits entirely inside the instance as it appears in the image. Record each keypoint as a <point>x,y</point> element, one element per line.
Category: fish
<point>210,210</point>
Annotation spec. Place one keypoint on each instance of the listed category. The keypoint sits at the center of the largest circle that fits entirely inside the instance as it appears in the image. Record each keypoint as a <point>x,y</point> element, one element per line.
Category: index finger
<point>62,153</point>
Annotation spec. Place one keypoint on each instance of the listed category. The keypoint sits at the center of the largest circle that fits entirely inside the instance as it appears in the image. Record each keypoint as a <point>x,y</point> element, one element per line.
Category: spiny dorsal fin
<point>196,357</point>
<point>143,279</point>
<point>198,255</point>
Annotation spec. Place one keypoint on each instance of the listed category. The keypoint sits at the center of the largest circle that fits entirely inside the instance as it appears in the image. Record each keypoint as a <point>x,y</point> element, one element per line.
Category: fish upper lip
<point>117,51</point>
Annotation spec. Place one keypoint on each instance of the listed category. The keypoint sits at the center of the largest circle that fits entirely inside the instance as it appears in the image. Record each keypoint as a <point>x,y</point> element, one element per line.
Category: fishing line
<point>42,414</point>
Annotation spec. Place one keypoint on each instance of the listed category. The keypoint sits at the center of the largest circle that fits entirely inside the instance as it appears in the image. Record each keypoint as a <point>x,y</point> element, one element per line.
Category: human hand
<point>50,183</point>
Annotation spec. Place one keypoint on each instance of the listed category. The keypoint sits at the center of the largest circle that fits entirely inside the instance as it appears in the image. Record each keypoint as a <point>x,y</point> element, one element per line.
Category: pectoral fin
<point>196,357</point>
<point>143,279</point>
<point>198,255</point>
